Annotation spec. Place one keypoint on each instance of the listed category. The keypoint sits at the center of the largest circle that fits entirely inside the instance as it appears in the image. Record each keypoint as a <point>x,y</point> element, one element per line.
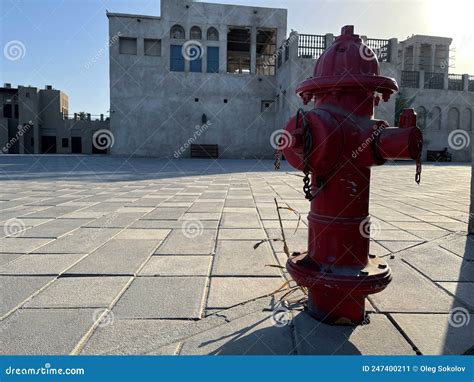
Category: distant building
<point>235,67</point>
<point>36,121</point>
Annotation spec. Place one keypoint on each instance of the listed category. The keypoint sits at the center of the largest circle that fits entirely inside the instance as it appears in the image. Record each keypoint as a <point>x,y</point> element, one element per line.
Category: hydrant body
<point>338,142</point>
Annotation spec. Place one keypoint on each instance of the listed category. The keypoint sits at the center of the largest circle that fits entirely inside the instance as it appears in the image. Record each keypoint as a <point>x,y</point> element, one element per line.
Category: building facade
<point>36,121</point>
<point>233,70</point>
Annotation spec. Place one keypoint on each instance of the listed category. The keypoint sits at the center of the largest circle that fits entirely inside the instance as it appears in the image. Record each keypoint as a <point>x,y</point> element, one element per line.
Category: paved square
<point>163,252</point>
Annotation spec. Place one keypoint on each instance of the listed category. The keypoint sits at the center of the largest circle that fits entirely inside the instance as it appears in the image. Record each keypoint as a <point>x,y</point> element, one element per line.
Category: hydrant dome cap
<point>347,63</point>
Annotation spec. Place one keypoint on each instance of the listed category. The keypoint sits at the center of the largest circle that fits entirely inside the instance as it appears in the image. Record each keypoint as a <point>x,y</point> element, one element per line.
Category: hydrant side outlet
<point>338,142</point>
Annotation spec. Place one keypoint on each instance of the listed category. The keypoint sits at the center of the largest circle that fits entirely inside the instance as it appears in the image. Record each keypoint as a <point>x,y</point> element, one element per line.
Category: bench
<point>204,151</point>
<point>439,156</point>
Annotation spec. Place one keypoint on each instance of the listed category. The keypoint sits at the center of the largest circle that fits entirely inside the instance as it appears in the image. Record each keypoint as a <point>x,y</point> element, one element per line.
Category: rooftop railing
<point>311,45</point>
<point>380,47</point>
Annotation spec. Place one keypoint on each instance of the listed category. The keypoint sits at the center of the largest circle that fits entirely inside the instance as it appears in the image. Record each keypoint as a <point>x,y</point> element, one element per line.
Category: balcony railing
<point>470,85</point>
<point>434,80</point>
<point>380,47</point>
<point>311,45</point>
<point>455,82</point>
<point>410,79</point>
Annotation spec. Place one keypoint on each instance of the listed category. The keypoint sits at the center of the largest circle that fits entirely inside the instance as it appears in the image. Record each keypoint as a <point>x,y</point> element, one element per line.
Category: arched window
<point>195,33</point>
<point>421,117</point>
<point>177,32</point>
<point>212,34</point>
<point>435,119</point>
<point>467,119</point>
<point>453,119</point>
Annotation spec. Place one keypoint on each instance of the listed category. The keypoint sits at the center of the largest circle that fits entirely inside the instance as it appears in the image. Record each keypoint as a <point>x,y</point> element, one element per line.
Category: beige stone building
<point>37,121</point>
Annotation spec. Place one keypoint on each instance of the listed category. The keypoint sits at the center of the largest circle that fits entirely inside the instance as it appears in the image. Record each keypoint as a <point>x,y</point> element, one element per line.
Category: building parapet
<point>436,81</point>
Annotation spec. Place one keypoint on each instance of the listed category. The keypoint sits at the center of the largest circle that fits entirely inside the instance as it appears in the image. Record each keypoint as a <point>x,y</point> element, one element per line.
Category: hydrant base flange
<point>337,294</point>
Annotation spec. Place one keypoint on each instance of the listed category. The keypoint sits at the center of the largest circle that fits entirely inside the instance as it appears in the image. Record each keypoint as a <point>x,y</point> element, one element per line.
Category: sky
<point>63,43</point>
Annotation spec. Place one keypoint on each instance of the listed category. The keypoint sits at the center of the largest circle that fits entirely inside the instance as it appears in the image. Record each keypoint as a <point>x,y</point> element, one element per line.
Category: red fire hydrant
<point>337,142</point>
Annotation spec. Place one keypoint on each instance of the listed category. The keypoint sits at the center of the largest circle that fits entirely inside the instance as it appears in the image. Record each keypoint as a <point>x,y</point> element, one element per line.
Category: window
<point>212,34</point>
<point>177,32</point>
<point>152,47</point>
<point>27,94</point>
<point>238,51</point>
<point>127,45</point>
<point>196,33</point>
<point>176,58</point>
<point>195,65</point>
<point>212,59</point>
<point>65,142</point>
<point>7,111</point>
<point>266,51</point>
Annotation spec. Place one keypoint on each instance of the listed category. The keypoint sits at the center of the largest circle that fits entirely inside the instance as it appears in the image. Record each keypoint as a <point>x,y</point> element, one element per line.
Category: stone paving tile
<point>54,228</point>
<point>51,213</point>
<point>175,224</point>
<point>438,264</point>
<point>188,241</point>
<point>136,337</point>
<point>39,264</point>
<point>416,226</point>
<point>397,246</point>
<point>433,334</point>
<point>116,257</point>
<point>410,292</point>
<point>460,245</point>
<point>201,216</point>
<point>171,213</point>
<point>239,203</point>
<point>79,292</point>
<point>254,334</point>
<point>16,289</point>
<point>114,220</point>
<point>82,240</point>
<point>177,266</point>
<point>464,292</point>
<point>21,245</point>
<point>239,258</point>
<point>254,234</point>
<point>377,250</point>
<point>6,258</point>
<point>313,337</point>
<point>225,292</point>
<point>162,297</point>
<point>44,331</point>
<point>206,207</point>
<point>144,234</point>
<point>429,235</point>
<point>240,220</point>
<point>392,235</point>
